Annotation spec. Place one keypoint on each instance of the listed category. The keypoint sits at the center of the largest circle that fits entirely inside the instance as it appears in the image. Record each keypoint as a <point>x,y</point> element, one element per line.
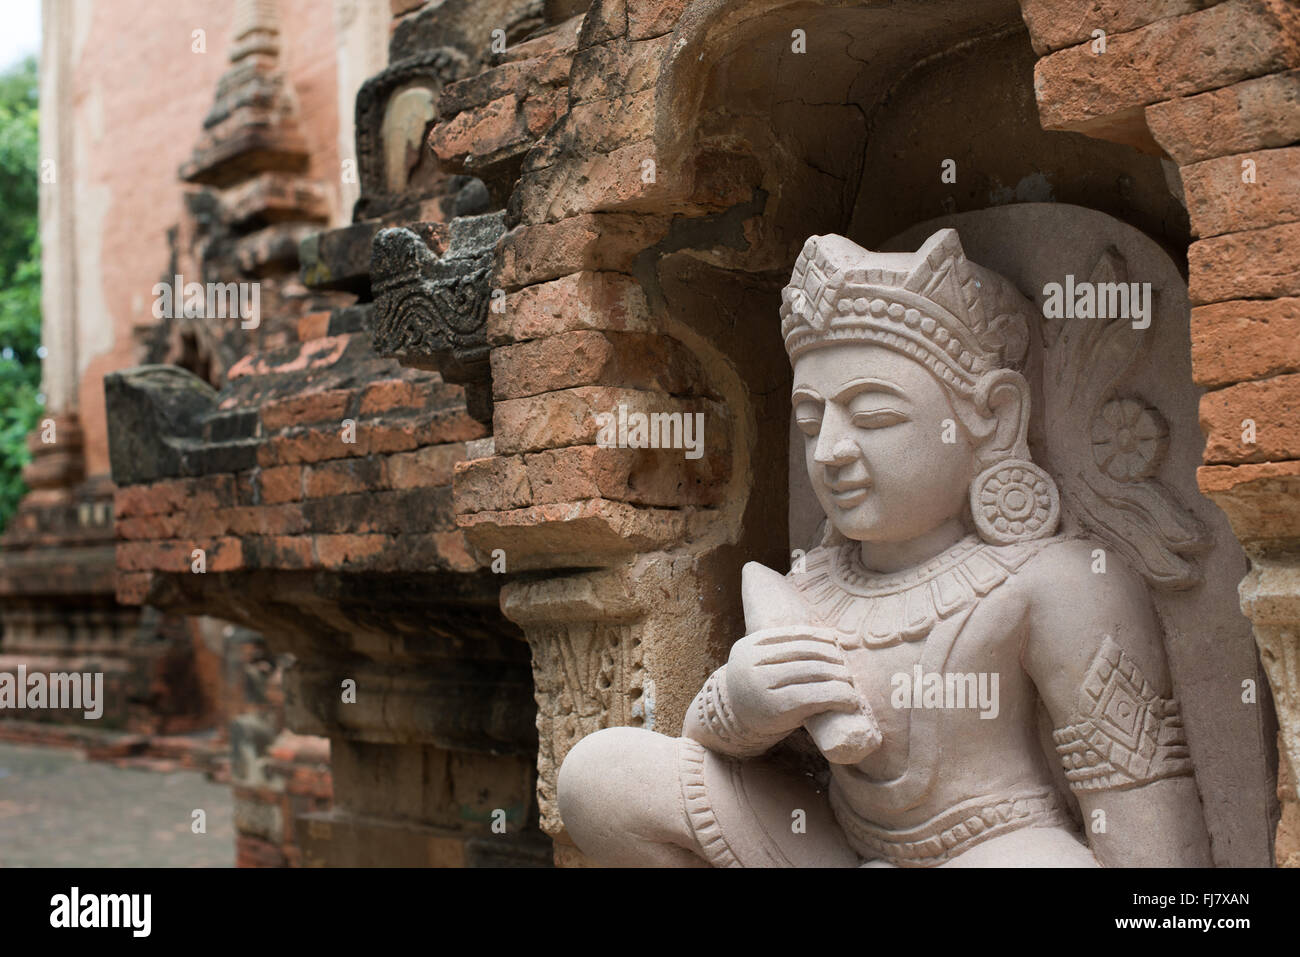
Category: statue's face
<point>875,422</point>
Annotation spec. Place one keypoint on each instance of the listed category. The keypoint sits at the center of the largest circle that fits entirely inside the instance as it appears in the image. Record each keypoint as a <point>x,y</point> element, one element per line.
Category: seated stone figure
<point>922,644</point>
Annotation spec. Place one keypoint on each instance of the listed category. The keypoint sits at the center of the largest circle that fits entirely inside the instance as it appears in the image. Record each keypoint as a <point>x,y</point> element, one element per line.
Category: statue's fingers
<point>799,651</point>
<point>803,671</point>
<point>785,635</point>
<point>816,697</point>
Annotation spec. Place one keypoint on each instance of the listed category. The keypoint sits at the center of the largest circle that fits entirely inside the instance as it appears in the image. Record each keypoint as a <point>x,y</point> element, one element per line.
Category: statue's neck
<point>888,557</point>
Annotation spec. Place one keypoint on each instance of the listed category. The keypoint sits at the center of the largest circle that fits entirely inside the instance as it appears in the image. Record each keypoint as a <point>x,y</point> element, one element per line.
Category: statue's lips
<point>849,494</point>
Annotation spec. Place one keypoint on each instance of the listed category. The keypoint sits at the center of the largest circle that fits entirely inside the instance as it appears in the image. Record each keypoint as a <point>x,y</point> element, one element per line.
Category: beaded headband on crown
<point>957,318</point>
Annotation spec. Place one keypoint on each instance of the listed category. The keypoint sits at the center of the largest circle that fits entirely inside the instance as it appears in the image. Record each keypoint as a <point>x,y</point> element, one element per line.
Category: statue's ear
<point>1003,397</point>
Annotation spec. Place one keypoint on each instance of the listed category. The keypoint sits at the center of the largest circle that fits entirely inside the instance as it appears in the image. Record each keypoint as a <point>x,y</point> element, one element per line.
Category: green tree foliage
<point>20,278</point>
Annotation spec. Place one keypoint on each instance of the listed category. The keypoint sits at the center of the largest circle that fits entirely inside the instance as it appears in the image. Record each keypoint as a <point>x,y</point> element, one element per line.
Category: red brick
<point>1233,41</point>
<point>652,18</point>
<point>342,551</point>
<point>1219,201</point>
<point>594,241</point>
<point>397,394</point>
<point>627,359</point>
<point>1245,339</point>
<point>315,325</point>
<point>279,551</point>
<point>281,484</point>
<point>266,520</point>
<point>344,476</point>
<point>1055,24</point>
<point>132,587</point>
<point>1256,264</point>
<point>593,530</point>
<point>1272,404</point>
<point>586,300</point>
<point>1261,501</point>
<point>330,406</point>
<point>491,484</point>
<point>1255,114</point>
<point>431,465</point>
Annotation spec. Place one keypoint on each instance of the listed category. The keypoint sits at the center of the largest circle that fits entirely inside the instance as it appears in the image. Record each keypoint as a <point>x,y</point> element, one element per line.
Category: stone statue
<point>948,650</point>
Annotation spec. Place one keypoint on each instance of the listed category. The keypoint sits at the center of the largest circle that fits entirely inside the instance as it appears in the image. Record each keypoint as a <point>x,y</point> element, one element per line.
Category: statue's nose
<point>840,452</point>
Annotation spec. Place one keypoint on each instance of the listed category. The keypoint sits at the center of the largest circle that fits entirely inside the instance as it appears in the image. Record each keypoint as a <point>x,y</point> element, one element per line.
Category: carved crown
<point>959,319</point>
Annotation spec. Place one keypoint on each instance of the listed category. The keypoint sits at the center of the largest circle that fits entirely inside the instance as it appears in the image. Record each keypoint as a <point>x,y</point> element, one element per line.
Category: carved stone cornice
<point>430,310</point>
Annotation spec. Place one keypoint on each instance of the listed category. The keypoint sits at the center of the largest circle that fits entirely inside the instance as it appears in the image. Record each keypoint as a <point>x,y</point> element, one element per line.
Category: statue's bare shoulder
<point>1077,595</point>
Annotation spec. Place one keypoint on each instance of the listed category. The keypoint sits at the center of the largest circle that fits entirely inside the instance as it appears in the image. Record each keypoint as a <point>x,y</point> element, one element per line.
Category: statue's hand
<point>777,678</point>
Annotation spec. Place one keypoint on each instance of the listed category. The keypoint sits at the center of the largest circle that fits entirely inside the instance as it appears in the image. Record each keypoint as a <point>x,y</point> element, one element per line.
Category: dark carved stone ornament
<point>430,311</point>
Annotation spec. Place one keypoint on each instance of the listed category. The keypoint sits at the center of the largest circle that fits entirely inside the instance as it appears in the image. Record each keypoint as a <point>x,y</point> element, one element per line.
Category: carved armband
<point>713,716</point>
<point>1124,735</point>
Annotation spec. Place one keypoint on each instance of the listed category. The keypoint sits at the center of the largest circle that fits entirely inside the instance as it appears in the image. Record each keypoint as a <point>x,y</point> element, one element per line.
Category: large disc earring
<point>1014,501</point>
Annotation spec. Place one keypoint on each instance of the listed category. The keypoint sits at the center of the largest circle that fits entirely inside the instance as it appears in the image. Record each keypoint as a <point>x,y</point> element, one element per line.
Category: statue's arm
<point>1095,651</point>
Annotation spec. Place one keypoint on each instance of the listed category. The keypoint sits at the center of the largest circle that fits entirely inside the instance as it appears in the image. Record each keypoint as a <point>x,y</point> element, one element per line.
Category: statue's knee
<point>603,772</point>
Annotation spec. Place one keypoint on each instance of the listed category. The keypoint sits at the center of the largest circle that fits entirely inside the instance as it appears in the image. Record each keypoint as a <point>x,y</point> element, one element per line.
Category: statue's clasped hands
<point>781,678</point>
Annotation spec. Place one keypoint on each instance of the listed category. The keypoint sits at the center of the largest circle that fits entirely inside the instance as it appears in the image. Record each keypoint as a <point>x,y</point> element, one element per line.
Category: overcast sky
<point>20,30</point>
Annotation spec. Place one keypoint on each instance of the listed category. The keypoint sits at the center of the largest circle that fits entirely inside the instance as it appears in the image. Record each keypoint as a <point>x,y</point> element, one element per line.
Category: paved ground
<point>59,810</point>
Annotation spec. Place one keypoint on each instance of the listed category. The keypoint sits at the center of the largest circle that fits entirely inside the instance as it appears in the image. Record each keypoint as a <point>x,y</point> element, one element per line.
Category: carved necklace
<point>873,610</point>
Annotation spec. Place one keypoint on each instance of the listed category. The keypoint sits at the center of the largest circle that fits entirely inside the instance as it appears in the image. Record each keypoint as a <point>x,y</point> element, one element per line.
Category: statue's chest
<point>923,639</point>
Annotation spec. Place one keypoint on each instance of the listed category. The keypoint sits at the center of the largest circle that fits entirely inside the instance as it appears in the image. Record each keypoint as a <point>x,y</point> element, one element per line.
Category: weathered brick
<point>391,394</point>
<point>311,407</point>
<point>568,417</point>
<point>1255,114</point>
<point>504,128</point>
<point>280,484</point>
<point>617,68</point>
<point>586,300</point>
<point>266,520</point>
<point>1219,200</point>
<point>491,484</point>
<point>1233,41</point>
<point>652,18</point>
<point>344,476</point>
<point>289,552</point>
<point>175,495</point>
<point>1245,339</point>
<point>628,359</point>
<point>595,241</point>
<point>1255,264</point>
<point>662,477</point>
<point>341,551</point>
<point>132,588</point>
<point>1261,501</point>
<point>593,530</point>
<point>596,126</point>
<point>431,465</point>
<point>1055,24</point>
<point>314,325</point>
<point>385,435</point>
<point>1274,407</point>
<point>388,512</point>
<point>517,77</point>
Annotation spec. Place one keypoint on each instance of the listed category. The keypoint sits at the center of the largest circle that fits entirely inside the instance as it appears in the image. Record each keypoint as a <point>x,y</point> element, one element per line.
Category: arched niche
<point>851,137</point>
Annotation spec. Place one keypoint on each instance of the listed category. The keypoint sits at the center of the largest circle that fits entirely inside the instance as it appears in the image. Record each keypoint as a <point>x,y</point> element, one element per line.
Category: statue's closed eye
<point>878,418</point>
<point>808,416</point>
